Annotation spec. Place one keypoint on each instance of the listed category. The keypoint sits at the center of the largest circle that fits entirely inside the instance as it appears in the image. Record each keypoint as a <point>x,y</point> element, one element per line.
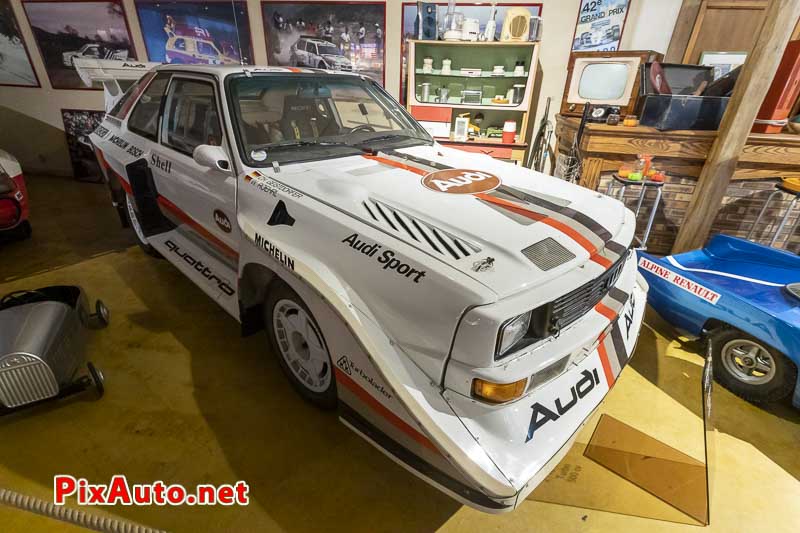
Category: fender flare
<point>313,278</point>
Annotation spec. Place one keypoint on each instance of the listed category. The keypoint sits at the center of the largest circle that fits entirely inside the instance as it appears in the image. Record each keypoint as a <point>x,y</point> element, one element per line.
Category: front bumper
<point>527,438</point>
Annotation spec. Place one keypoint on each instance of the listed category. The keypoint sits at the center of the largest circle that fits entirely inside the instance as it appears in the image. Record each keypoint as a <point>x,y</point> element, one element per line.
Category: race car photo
<point>742,298</point>
<point>14,208</point>
<point>94,51</point>
<point>195,46</point>
<point>319,53</point>
<point>464,315</point>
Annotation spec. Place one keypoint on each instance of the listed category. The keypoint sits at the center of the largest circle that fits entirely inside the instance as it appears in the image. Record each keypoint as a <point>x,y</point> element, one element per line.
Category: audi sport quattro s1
<point>462,314</point>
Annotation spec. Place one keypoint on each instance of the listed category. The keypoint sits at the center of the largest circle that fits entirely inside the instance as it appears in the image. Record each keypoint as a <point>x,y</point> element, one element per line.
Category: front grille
<point>570,307</point>
<point>547,254</point>
<point>426,236</point>
<point>25,379</point>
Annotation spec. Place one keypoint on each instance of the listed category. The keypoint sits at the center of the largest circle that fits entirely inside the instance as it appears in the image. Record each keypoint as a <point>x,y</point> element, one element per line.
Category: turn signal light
<point>498,392</point>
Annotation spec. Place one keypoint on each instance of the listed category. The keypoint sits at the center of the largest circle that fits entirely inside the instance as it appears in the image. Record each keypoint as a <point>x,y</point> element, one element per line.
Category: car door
<point>302,56</point>
<point>203,199</point>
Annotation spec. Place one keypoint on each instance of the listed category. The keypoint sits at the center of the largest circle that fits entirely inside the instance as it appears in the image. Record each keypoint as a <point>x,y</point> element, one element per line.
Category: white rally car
<point>464,315</point>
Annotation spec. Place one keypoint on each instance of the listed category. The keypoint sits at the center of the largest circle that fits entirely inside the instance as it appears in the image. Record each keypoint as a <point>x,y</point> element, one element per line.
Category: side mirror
<point>213,157</point>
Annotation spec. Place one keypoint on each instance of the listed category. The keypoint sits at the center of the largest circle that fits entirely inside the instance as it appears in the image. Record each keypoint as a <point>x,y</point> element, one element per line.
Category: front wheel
<point>749,368</point>
<point>297,340</point>
<point>137,229</point>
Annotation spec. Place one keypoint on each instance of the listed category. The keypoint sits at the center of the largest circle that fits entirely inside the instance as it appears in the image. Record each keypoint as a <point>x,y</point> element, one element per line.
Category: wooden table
<point>681,154</point>
<point>490,146</point>
<point>604,148</point>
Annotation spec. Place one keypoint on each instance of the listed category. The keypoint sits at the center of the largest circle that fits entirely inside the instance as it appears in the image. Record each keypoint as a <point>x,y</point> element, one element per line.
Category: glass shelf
<point>484,75</point>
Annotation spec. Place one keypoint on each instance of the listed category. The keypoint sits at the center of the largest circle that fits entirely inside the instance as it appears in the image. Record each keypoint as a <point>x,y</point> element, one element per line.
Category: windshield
<point>287,118</point>
<point>328,50</point>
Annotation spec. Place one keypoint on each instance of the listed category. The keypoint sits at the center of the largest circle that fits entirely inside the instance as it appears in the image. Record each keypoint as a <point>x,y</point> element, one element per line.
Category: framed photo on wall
<point>15,62</point>
<point>78,124</point>
<point>345,36</point>
<point>600,24</point>
<point>81,28</point>
<point>470,10</point>
<point>211,33</point>
<point>723,62</point>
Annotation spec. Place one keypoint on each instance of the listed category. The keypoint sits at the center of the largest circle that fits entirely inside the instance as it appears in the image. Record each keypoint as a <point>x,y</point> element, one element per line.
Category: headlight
<point>512,332</point>
<point>793,289</point>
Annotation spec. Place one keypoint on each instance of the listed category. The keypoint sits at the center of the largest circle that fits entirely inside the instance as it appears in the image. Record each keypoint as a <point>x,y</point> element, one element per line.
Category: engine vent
<point>548,254</point>
<point>424,234</point>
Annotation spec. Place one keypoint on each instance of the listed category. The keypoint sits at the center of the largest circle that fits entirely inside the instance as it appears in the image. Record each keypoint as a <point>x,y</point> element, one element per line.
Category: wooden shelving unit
<point>439,116</point>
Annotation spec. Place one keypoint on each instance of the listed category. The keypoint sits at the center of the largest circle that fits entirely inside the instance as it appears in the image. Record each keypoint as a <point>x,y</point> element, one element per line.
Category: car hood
<point>335,58</point>
<point>529,229</point>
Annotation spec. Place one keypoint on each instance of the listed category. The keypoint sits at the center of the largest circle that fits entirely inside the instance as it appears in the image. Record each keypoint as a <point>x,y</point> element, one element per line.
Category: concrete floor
<point>189,401</point>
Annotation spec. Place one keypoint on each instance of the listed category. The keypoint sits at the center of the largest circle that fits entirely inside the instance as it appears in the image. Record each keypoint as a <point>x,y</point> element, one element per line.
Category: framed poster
<point>600,24</point>
<point>723,62</point>
<point>78,124</point>
<point>332,35</point>
<point>81,28</point>
<point>481,12</point>
<point>15,62</point>
<point>213,33</point>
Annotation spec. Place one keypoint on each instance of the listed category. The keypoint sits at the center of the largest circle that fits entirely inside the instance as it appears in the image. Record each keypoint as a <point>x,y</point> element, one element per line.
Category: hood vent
<point>425,235</point>
<point>547,254</point>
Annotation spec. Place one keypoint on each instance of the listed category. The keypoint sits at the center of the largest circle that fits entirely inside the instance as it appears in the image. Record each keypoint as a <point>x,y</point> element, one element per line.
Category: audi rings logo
<point>460,181</point>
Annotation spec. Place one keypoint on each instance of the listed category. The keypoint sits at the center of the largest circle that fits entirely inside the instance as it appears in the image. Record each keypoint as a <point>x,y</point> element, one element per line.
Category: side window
<point>123,106</point>
<point>144,117</point>
<point>206,49</point>
<point>301,45</point>
<point>180,44</point>
<point>191,117</point>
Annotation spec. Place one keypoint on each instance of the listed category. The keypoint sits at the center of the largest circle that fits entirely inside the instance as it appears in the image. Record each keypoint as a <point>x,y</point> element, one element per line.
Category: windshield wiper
<point>368,142</point>
<point>302,142</point>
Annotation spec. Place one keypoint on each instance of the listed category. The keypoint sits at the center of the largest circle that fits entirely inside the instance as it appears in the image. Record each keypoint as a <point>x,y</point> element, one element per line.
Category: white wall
<point>649,25</point>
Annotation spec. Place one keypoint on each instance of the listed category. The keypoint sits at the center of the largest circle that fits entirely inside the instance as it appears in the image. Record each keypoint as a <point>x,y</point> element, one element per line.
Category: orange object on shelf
<point>659,177</point>
<point>630,121</point>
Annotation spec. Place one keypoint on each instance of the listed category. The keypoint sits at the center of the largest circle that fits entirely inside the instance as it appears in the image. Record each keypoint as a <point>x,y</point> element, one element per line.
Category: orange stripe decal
<point>605,310</point>
<point>396,164</point>
<point>555,224</point>
<point>601,349</point>
<point>567,230</point>
<point>396,421</point>
<point>224,248</point>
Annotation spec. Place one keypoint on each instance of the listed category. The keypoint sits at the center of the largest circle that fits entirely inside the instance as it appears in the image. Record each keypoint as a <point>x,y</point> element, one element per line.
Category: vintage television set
<point>605,79</point>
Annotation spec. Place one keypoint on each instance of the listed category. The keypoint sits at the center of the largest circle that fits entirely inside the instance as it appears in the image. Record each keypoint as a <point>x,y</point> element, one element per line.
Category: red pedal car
<point>13,198</point>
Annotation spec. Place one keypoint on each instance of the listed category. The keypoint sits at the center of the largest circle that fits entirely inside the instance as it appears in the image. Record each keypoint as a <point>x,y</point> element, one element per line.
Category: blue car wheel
<point>749,368</point>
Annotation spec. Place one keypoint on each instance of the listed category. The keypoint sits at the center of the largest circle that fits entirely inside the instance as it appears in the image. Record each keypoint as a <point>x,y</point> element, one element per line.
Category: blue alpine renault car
<point>743,298</point>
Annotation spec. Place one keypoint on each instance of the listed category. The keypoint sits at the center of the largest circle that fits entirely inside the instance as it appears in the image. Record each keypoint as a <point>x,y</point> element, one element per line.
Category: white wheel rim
<point>134,221</point>
<point>748,361</point>
<point>301,346</point>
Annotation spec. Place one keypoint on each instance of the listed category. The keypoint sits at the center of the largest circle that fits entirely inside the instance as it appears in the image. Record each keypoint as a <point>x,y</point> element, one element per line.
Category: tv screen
<point>604,81</point>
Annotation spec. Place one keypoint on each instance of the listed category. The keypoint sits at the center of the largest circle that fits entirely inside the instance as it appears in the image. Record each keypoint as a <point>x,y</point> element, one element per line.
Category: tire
<point>750,368</point>
<point>293,333</point>
<point>141,240</point>
<point>322,65</point>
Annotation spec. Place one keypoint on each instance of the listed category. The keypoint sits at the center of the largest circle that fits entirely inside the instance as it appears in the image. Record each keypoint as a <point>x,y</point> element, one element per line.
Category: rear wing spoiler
<point>115,76</point>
